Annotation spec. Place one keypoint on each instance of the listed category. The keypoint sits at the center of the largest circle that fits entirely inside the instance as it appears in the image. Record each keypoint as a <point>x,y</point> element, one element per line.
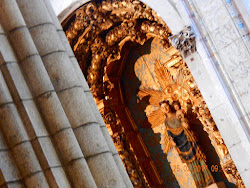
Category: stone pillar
<point>9,175</point>
<point>55,124</point>
<point>88,94</point>
<point>18,141</point>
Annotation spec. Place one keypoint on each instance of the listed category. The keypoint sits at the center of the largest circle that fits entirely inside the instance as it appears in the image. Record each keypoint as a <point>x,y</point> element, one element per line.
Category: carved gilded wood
<point>177,84</point>
<point>98,32</point>
<point>123,147</point>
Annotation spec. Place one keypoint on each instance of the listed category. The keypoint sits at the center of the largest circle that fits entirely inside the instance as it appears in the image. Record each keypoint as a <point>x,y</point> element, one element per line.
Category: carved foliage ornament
<point>182,87</point>
<point>124,149</point>
<point>184,41</point>
<point>99,31</point>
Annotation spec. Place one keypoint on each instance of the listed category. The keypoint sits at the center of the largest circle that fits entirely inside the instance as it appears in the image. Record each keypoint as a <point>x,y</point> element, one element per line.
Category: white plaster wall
<point>223,76</point>
<point>219,74</point>
<point>63,8</point>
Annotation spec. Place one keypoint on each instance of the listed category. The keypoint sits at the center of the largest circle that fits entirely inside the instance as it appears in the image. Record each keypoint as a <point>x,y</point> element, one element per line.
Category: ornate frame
<point>98,33</point>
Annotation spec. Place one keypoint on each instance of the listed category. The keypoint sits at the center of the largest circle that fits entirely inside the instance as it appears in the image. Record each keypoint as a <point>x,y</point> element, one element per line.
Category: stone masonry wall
<point>51,132</point>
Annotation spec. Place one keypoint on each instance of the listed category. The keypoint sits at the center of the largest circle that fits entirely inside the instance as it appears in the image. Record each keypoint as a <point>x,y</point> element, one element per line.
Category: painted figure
<point>178,135</point>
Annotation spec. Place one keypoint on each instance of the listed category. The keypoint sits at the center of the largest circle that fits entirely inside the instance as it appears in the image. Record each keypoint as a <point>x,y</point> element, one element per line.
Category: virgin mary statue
<point>177,135</point>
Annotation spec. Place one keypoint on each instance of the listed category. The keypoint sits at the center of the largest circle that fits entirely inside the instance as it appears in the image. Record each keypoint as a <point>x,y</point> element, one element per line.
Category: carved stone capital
<point>184,41</point>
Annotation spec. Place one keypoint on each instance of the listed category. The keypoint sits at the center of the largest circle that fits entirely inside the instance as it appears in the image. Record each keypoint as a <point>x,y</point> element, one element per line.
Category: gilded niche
<point>97,33</point>
<point>177,84</point>
<point>123,147</point>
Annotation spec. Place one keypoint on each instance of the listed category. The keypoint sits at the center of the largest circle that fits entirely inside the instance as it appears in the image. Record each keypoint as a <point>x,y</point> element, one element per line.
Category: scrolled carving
<point>124,149</point>
<point>230,168</point>
<point>226,161</point>
<point>109,118</point>
<point>203,114</point>
<point>98,32</point>
<point>177,83</point>
<point>184,42</point>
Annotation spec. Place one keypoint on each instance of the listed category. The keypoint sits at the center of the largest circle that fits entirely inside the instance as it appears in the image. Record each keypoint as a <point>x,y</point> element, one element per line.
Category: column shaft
<point>9,174</point>
<point>73,100</point>
<point>40,85</point>
<point>53,122</point>
<point>89,96</point>
<point>18,141</point>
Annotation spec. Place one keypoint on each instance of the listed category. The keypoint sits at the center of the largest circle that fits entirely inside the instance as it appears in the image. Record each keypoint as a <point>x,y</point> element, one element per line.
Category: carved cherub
<point>180,114</point>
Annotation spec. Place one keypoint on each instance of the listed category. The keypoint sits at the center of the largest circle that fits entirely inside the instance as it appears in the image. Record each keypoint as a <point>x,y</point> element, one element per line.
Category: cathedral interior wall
<point>220,66</point>
<point>41,144</point>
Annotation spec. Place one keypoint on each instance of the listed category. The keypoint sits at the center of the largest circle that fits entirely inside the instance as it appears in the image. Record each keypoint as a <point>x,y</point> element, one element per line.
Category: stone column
<point>88,94</point>
<point>62,134</point>
<point>9,175</point>
<point>18,141</point>
<point>42,90</point>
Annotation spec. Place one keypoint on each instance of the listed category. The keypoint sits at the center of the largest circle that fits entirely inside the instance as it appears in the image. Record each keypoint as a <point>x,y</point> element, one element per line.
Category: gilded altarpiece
<point>124,51</point>
<point>143,92</point>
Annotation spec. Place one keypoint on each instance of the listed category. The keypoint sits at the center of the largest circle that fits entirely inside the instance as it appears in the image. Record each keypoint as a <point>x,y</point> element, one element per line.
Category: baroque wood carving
<point>124,148</point>
<point>97,33</point>
<point>177,84</point>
